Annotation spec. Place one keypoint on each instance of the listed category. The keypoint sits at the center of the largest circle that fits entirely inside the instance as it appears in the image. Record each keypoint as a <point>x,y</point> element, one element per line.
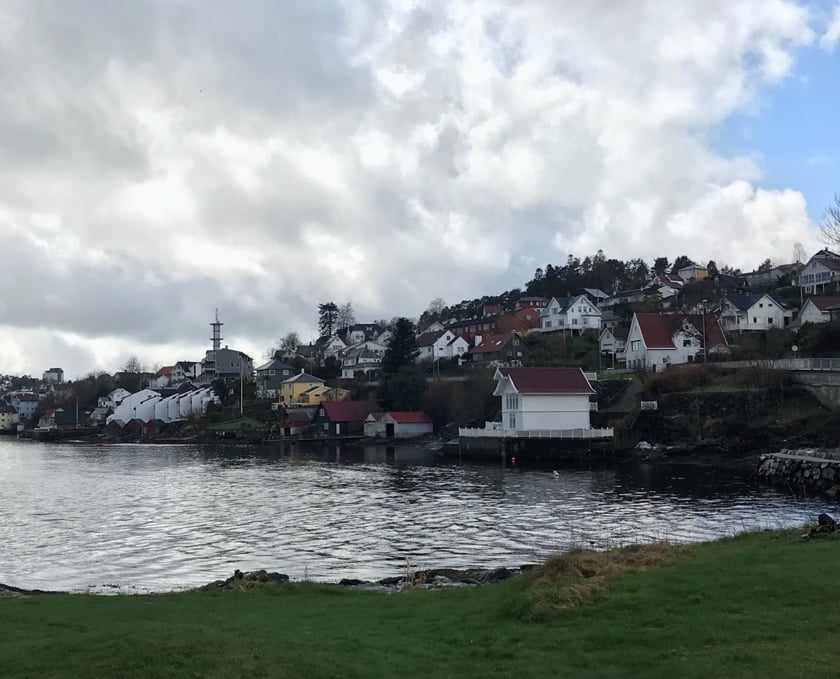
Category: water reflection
<point>161,517</point>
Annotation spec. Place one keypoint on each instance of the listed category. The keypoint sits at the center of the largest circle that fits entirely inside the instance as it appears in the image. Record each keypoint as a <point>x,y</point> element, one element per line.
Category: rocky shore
<point>411,579</point>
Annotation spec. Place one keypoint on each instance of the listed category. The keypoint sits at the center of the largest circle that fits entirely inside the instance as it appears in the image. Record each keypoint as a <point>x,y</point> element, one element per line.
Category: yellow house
<point>8,417</point>
<point>315,395</point>
<point>292,390</point>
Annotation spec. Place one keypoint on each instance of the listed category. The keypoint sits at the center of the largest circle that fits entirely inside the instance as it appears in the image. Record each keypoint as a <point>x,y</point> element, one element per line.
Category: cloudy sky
<point>162,159</point>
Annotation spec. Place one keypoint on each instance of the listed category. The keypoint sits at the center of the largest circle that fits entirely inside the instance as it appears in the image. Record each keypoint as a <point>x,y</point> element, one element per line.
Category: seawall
<point>812,473</point>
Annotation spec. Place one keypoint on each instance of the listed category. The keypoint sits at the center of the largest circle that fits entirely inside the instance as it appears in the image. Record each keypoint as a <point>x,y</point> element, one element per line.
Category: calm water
<point>141,517</point>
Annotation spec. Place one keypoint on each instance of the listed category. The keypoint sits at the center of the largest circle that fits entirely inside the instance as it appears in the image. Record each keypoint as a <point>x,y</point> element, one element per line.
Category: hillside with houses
<point>456,364</point>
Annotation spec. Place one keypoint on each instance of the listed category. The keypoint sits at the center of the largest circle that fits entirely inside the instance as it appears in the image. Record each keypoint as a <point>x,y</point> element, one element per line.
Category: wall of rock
<point>815,474</point>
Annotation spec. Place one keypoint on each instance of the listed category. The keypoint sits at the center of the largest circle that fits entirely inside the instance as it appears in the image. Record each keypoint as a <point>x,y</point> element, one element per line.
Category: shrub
<point>679,379</point>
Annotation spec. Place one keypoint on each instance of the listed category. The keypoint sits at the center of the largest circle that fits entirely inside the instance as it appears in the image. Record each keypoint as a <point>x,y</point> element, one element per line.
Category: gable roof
<point>346,411</point>
<point>658,330</point>
<point>405,417</point>
<point>427,339</point>
<point>493,343</point>
<point>302,377</point>
<point>275,364</point>
<point>746,302</point>
<point>548,380</point>
<point>824,302</point>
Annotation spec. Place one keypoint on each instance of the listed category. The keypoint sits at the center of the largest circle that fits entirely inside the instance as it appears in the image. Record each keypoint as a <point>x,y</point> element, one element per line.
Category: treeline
<point>562,280</point>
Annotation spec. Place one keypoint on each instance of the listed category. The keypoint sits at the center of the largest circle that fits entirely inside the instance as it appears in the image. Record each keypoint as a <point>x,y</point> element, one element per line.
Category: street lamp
<point>705,358</point>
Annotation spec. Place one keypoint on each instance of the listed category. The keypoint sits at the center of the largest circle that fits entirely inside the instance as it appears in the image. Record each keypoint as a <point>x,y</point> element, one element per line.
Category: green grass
<point>757,605</point>
<point>237,424</point>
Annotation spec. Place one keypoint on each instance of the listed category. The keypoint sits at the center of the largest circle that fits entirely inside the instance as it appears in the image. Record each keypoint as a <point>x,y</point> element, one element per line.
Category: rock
<point>352,582</point>
<point>826,522</point>
<point>496,575</point>
<point>390,582</point>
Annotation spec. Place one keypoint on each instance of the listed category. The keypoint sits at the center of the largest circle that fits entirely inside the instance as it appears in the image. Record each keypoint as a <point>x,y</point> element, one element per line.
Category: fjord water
<point>142,518</point>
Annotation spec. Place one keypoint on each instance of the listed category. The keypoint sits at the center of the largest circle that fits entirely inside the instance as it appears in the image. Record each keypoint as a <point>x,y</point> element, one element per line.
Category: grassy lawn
<point>237,424</point>
<point>753,606</point>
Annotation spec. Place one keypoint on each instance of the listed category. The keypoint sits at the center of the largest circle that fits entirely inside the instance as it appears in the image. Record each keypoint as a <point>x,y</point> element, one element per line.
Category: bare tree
<point>290,342</point>
<point>345,317</point>
<point>830,225</point>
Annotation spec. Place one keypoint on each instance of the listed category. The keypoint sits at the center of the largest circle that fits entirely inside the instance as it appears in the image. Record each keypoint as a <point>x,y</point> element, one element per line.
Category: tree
<point>765,266</point>
<point>327,316</point>
<point>345,317</point>
<point>220,388</point>
<point>131,377</point>
<point>679,263</point>
<point>660,265</point>
<point>401,390</point>
<point>712,268</point>
<point>401,382</point>
<point>290,342</point>
<point>798,253</point>
<point>402,349</point>
<point>830,225</point>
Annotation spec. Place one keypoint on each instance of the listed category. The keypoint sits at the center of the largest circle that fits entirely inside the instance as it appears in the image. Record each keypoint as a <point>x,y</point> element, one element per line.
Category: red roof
<point>493,343</point>
<point>405,417</point>
<point>165,371</point>
<point>823,302</point>
<point>346,411</point>
<point>548,380</point>
<point>658,329</point>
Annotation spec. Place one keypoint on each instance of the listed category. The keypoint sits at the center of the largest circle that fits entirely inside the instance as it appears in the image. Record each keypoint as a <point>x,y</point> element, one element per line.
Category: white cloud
<point>829,38</point>
<point>160,163</point>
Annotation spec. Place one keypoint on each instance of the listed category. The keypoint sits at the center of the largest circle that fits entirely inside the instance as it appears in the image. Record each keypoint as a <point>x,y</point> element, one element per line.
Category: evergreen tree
<point>402,349</point>
<point>327,316</point>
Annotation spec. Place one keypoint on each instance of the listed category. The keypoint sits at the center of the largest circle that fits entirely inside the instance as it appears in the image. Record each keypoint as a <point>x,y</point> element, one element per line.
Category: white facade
<point>681,347</point>
<point>147,404</point>
<point>763,313</point>
<point>821,274</point>
<point>574,314</point>
<point>526,409</point>
<point>813,313</point>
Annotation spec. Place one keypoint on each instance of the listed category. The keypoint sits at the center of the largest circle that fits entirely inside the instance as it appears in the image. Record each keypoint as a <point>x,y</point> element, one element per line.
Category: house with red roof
<point>341,418</point>
<point>508,349</point>
<point>398,424</point>
<point>656,341</point>
<point>819,309</point>
<point>543,398</point>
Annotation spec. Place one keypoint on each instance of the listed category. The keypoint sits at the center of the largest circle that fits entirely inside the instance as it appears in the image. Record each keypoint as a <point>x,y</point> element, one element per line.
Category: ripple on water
<point>152,518</point>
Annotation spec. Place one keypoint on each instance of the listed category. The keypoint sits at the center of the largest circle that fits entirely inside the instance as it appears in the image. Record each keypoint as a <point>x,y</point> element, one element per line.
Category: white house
<point>570,313</point>
<point>656,341</point>
<point>360,332</point>
<point>543,398</point>
<point>362,359</point>
<point>113,399</point>
<point>821,274</point>
<point>441,344</point>
<point>613,341</point>
<point>397,424</point>
<point>819,309</point>
<point>185,370</point>
<point>754,312</point>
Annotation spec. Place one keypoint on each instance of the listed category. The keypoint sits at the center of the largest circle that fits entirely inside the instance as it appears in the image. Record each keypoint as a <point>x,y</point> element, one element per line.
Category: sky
<point>164,159</point>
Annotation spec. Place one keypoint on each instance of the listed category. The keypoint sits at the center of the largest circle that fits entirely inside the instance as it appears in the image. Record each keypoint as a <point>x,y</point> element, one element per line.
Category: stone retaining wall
<point>814,474</point>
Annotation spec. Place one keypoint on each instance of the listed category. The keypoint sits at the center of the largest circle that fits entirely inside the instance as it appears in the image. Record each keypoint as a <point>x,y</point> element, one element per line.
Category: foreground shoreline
<point>723,608</point>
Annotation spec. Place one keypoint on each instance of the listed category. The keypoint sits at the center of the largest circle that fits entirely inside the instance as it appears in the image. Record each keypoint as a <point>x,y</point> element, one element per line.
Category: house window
<point>770,321</point>
<point>271,372</point>
<point>547,323</point>
<point>755,320</point>
<point>512,420</point>
<point>512,401</point>
<point>635,345</point>
<point>686,342</point>
<point>516,341</point>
